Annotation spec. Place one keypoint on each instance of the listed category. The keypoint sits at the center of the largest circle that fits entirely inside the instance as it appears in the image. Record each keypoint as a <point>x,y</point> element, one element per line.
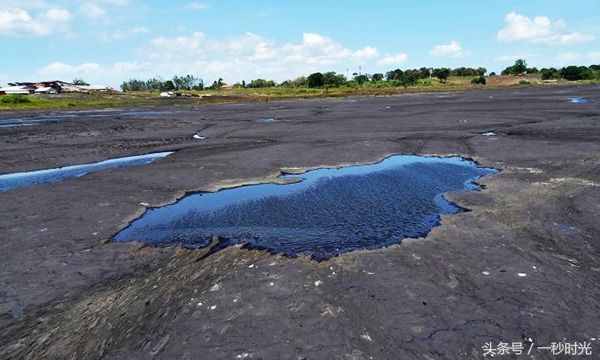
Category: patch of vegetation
<point>479,80</point>
<point>186,82</point>
<point>574,73</point>
<point>569,73</point>
<point>15,99</point>
<point>30,102</point>
<point>524,82</point>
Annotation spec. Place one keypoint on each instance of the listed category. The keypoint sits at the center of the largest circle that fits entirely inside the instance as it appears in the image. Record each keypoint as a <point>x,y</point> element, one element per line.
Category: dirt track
<point>68,293</point>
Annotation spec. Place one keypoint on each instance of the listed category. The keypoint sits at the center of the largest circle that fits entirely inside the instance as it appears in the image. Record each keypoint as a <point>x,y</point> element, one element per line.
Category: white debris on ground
<point>145,204</point>
<point>199,137</point>
<point>489,133</point>
<point>318,283</point>
<point>522,275</point>
<point>215,287</point>
<point>486,273</point>
<point>366,337</point>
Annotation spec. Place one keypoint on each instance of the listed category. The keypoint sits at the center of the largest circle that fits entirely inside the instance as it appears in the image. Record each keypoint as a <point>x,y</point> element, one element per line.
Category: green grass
<point>35,102</point>
<point>15,99</point>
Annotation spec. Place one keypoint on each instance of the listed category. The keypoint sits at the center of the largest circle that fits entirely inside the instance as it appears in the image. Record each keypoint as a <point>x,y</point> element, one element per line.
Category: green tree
<point>80,82</point>
<point>167,86</point>
<point>394,75</point>
<point>574,73</point>
<point>261,83</point>
<point>520,67</point>
<point>479,80</point>
<point>361,79</point>
<point>299,82</point>
<point>331,79</point>
<point>315,80</point>
<point>377,77</point>
<point>550,73</point>
<point>441,73</point>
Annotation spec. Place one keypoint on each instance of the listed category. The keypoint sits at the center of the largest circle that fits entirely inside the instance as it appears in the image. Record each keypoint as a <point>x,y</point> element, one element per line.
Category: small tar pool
<point>31,178</point>
<point>579,100</point>
<point>324,213</point>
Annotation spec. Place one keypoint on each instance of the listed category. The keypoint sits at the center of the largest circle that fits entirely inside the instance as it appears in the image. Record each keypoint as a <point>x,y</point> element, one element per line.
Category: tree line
<point>186,82</point>
<point>570,73</point>
<point>396,77</point>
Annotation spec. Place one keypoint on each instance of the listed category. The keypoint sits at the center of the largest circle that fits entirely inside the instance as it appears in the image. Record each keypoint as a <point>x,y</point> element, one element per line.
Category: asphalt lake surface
<point>321,213</point>
<point>55,118</point>
<point>31,178</point>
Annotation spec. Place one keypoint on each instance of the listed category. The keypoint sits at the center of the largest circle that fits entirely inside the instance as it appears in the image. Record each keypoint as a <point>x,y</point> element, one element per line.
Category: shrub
<point>524,82</point>
<point>15,99</point>
<point>479,81</point>
<point>574,73</point>
<point>520,67</point>
<point>551,73</point>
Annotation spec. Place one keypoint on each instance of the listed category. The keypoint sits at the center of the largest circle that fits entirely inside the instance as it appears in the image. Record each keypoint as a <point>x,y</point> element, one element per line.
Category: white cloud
<point>111,74</point>
<point>572,58</point>
<point>123,34</point>
<point>18,21</point>
<point>512,58</point>
<point>366,53</point>
<point>24,4</point>
<point>196,6</point>
<point>594,57</point>
<point>540,29</point>
<point>59,68</point>
<point>244,57</point>
<point>453,49</point>
<point>251,49</point>
<point>568,57</point>
<point>92,10</point>
<point>58,15</point>
<point>97,9</point>
<point>392,59</point>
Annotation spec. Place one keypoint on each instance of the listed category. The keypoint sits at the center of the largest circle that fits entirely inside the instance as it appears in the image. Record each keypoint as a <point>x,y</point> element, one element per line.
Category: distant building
<point>17,90</point>
<point>46,90</point>
<point>51,87</point>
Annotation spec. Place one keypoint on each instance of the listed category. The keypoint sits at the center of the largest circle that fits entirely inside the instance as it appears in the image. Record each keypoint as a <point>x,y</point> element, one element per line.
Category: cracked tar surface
<point>524,263</point>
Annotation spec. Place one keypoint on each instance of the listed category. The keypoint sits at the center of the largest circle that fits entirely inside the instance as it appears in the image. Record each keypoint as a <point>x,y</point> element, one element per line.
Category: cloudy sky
<point>108,41</point>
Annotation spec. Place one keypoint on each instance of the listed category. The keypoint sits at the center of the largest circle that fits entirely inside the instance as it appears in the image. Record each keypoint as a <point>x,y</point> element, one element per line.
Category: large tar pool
<point>324,213</point>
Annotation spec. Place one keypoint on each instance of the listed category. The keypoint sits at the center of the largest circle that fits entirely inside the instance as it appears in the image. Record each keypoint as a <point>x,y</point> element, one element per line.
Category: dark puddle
<point>265,121</point>
<point>579,100</point>
<point>326,212</point>
<point>31,178</point>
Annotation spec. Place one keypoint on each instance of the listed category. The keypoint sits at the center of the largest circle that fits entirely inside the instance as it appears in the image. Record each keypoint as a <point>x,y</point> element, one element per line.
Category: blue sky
<point>107,41</point>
